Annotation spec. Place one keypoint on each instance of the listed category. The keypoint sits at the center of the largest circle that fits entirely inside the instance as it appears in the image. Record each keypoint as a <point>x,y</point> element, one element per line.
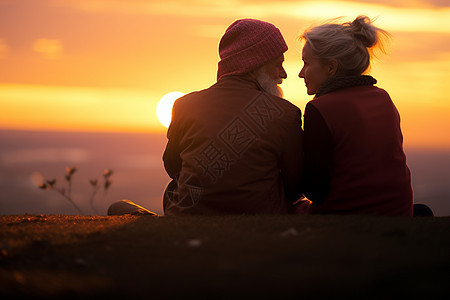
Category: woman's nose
<point>301,74</point>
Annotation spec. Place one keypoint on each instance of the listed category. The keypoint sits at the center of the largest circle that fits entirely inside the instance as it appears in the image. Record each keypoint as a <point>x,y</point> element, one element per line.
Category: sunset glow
<point>100,65</point>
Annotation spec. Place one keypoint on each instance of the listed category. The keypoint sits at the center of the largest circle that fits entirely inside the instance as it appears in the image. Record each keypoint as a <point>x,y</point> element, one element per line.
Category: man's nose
<point>283,73</point>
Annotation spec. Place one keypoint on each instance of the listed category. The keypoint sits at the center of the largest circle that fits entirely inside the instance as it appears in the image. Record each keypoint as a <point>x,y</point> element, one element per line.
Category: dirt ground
<point>233,257</point>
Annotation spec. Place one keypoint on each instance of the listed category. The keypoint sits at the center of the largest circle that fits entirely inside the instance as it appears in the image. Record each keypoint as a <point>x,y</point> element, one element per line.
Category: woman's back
<point>368,172</point>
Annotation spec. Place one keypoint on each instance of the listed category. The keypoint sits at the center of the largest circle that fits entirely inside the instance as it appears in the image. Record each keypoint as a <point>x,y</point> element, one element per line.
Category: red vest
<point>369,172</point>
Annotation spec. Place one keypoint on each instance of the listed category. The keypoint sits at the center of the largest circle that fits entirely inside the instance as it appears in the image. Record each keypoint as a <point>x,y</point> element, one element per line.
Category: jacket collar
<point>339,82</point>
<point>239,81</point>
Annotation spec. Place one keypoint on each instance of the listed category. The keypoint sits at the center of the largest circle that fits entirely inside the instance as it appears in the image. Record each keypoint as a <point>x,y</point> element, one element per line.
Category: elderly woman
<point>354,158</point>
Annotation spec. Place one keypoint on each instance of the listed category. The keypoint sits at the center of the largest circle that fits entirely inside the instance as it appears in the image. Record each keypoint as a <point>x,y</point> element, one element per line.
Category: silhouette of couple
<point>238,147</point>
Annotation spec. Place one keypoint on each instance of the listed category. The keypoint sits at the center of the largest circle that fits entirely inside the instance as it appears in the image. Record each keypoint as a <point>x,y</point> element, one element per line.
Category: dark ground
<point>234,257</point>
<point>28,158</point>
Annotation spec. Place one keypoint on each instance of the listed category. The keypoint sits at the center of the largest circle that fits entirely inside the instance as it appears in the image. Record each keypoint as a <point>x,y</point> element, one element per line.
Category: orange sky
<point>104,64</point>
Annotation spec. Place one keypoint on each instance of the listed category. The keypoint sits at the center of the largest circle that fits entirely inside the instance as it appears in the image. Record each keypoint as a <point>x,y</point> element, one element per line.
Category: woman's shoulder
<point>350,93</point>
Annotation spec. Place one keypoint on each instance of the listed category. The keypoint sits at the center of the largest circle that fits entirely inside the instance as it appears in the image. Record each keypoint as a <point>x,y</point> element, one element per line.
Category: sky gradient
<point>103,65</point>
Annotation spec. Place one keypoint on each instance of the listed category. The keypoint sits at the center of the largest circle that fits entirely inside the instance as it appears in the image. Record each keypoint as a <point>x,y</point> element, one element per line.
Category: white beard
<point>269,84</point>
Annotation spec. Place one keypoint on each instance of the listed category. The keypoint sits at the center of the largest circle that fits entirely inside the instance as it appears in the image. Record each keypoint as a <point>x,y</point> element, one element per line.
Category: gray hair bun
<point>363,31</point>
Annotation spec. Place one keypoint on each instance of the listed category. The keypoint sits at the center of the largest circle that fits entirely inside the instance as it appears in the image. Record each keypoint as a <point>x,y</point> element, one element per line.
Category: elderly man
<point>235,147</point>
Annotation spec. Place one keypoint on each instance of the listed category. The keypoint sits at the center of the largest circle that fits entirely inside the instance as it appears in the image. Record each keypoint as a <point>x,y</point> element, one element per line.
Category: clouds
<point>156,7</point>
<point>209,31</point>
<point>416,16</point>
<point>78,63</point>
<point>48,48</point>
<point>61,107</point>
<point>44,155</point>
<point>3,48</point>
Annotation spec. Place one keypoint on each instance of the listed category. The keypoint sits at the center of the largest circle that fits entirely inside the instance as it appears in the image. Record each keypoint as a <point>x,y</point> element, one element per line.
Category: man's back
<point>233,149</point>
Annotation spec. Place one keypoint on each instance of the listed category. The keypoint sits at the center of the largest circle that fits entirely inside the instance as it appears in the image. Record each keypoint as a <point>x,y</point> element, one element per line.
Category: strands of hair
<point>352,44</point>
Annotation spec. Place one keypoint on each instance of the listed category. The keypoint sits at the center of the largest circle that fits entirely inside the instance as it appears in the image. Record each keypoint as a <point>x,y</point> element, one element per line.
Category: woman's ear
<point>332,67</point>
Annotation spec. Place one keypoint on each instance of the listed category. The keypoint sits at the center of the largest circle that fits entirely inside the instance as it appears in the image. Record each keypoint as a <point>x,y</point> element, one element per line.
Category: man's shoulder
<point>248,98</point>
<point>282,103</point>
<point>268,109</point>
<point>187,98</point>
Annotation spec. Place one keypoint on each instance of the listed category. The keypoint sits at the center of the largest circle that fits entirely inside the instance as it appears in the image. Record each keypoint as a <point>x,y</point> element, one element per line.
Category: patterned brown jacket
<point>233,149</point>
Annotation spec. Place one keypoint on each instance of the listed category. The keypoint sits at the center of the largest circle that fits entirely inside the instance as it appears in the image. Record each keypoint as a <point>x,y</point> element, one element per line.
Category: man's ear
<point>332,67</point>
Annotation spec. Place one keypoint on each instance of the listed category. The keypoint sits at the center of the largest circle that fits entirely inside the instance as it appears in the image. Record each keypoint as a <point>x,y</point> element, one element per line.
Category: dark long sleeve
<point>172,160</point>
<point>318,147</point>
<point>171,156</point>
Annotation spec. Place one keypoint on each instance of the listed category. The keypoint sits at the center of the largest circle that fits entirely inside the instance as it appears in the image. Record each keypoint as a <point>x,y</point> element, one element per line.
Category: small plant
<point>94,183</point>
<point>51,185</point>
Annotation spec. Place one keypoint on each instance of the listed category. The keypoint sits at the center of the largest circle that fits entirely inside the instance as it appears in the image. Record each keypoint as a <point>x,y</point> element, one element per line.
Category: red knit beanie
<point>248,44</point>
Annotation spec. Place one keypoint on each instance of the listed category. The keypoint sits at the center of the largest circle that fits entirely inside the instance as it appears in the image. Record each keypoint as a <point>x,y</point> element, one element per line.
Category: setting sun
<point>78,77</point>
<point>164,107</point>
<point>68,72</point>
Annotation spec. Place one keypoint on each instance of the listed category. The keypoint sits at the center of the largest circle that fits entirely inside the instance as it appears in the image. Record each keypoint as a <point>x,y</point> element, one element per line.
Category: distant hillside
<point>27,158</point>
